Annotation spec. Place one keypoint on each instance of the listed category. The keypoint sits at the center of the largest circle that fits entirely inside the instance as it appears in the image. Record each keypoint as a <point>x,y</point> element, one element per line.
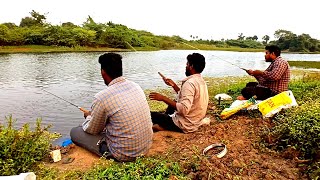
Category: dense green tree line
<point>286,40</point>
<point>34,30</point>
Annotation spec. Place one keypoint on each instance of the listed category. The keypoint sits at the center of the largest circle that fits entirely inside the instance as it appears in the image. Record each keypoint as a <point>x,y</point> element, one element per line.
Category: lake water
<point>76,77</point>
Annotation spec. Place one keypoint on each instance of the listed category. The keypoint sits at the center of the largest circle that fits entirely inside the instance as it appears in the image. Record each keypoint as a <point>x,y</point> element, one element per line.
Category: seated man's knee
<point>251,84</point>
<point>263,93</point>
<point>248,92</point>
<point>74,131</point>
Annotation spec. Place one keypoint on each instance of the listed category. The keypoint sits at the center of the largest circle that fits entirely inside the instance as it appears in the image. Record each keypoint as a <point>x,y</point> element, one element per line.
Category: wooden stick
<point>163,77</point>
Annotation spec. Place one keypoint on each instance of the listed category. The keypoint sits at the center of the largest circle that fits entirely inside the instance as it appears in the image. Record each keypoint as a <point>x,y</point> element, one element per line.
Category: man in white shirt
<point>191,105</point>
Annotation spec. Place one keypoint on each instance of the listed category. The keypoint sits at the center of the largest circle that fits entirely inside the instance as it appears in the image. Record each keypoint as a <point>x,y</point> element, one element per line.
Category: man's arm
<point>169,82</point>
<point>95,120</point>
<point>256,74</point>
<point>277,71</point>
<point>160,97</point>
<point>186,98</point>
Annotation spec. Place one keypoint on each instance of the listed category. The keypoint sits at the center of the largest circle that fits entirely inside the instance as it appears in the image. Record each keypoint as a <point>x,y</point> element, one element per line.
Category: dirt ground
<point>245,159</point>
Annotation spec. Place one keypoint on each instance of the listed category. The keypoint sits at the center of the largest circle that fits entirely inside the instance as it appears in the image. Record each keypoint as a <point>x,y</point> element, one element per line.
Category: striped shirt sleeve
<point>95,122</point>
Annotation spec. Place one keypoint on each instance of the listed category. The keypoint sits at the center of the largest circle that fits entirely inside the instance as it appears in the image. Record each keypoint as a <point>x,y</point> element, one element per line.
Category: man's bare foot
<point>241,98</point>
<point>156,128</point>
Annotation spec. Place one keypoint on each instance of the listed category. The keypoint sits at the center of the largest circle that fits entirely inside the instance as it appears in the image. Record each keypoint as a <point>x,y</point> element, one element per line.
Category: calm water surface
<point>76,77</point>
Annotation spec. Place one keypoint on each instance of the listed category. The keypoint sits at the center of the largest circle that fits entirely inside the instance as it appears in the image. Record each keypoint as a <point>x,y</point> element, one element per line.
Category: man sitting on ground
<point>186,114</point>
<point>273,80</point>
<point>121,112</point>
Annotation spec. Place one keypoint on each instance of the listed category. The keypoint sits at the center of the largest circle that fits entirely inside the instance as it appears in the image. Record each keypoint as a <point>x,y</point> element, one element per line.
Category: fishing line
<point>191,46</point>
<point>63,99</point>
<point>216,56</point>
<point>230,63</point>
<point>131,46</point>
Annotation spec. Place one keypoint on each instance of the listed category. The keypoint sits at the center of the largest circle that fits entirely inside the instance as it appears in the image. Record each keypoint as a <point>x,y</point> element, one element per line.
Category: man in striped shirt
<point>273,80</point>
<point>119,123</point>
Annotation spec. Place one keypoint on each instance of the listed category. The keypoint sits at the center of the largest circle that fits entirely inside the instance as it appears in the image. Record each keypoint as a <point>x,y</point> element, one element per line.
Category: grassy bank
<point>305,64</point>
<point>298,127</point>
<point>46,49</point>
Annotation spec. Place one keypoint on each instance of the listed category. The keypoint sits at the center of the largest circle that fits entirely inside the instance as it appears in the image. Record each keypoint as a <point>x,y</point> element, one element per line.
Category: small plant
<point>21,149</point>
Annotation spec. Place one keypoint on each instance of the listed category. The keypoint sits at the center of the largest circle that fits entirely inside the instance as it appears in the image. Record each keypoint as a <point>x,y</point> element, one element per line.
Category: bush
<point>300,128</point>
<point>21,149</point>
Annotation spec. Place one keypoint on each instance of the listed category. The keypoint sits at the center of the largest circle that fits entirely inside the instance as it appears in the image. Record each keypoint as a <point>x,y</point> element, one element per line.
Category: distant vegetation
<point>34,30</point>
<point>305,64</point>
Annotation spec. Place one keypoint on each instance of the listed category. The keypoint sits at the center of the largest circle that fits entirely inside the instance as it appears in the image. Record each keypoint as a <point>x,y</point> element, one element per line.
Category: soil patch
<point>245,159</point>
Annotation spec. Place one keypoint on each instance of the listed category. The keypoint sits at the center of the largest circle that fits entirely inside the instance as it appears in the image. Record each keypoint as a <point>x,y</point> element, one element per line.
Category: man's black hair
<point>197,61</point>
<point>111,63</point>
<point>274,49</point>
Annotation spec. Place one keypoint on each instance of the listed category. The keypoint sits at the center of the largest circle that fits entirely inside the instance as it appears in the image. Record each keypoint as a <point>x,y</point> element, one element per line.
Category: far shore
<point>64,49</point>
<point>58,49</point>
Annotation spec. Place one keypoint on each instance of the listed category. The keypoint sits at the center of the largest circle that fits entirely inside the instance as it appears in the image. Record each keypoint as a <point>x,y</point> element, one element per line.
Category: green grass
<point>142,168</point>
<point>305,64</point>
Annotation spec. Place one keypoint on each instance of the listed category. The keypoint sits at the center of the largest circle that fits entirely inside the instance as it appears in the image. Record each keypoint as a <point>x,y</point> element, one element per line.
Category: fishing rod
<point>81,109</point>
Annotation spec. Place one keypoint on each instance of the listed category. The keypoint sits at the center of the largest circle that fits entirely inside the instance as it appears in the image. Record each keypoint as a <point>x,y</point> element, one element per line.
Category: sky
<point>207,19</point>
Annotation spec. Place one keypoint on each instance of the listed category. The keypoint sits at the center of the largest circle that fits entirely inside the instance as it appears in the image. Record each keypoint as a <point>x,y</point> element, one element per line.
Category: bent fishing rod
<point>81,109</point>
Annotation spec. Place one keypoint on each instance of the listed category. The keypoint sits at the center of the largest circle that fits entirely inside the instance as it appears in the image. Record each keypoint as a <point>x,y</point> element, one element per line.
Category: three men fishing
<point>120,124</point>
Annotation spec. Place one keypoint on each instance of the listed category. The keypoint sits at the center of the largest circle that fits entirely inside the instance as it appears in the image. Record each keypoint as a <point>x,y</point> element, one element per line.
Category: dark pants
<point>89,142</point>
<point>253,88</point>
<point>164,120</point>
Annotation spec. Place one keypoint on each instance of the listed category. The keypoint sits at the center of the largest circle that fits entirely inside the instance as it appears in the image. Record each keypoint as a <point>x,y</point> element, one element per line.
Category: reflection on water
<point>76,78</point>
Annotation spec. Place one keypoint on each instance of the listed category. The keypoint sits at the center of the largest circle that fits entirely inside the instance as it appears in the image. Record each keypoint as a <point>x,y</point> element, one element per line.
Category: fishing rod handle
<point>82,109</point>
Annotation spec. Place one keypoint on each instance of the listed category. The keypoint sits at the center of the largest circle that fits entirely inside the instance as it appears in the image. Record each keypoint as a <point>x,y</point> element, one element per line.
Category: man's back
<point>192,103</point>
<point>128,126</point>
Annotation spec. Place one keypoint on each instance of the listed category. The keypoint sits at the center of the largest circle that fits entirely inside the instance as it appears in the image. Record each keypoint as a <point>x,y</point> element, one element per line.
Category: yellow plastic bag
<point>227,112</point>
<point>272,105</point>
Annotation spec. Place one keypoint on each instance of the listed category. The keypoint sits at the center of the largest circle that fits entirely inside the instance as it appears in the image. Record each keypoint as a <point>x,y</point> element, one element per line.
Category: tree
<point>254,38</point>
<point>36,19</point>
<point>69,25</point>
<point>285,39</point>
<point>241,36</point>
<point>10,25</point>
<point>90,24</point>
<point>282,34</point>
<point>265,38</point>
<point>3,34</point>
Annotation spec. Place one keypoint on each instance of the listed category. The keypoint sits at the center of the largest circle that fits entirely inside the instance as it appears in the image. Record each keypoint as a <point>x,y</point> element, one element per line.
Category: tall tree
<point>241,36</point>
<point>36,19</point>
<point>265,39</point>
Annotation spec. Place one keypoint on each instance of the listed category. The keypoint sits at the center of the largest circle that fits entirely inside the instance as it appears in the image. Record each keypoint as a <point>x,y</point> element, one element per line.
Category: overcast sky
<point>208,19</point>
